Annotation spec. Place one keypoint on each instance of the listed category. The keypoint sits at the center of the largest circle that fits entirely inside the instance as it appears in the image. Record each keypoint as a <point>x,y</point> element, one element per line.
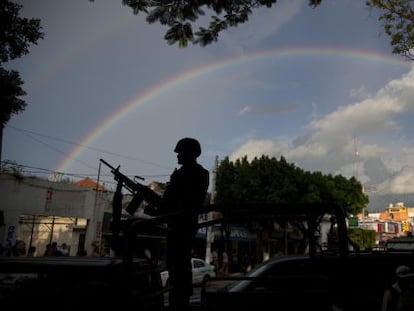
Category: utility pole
<point>210,232</point>
<point>1,146</point>
<point>97,215</point>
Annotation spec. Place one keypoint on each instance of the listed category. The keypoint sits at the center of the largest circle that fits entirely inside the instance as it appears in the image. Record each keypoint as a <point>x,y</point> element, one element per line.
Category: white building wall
<point>375,216</point>
<point>69,202</point>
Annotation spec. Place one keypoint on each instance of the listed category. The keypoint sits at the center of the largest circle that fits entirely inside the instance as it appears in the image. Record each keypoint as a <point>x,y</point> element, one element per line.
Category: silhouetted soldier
<point>400,295</point>
<point>185,193</point>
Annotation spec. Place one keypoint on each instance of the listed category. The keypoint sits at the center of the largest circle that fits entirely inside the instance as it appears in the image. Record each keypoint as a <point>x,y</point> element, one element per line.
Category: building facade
<point>394,221</point>
<point>40,212</point>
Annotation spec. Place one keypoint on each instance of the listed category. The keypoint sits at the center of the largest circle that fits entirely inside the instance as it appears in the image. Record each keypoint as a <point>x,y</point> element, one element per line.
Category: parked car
<point>356,282</point>
<point>400,244</point>
<point>315,265</point>
<point>202,272</point>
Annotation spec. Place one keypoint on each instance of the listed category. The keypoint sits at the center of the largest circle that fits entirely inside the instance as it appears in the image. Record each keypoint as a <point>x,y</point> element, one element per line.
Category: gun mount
<point>140,192</point>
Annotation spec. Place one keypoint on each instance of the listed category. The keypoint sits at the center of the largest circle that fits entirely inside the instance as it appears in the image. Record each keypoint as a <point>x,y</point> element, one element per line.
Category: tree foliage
<point>364,238</point>
<point>269,180</point>
<point>397,17</point>
<point>11,90</point>
<point>181,16</point>
<point>16,36</point>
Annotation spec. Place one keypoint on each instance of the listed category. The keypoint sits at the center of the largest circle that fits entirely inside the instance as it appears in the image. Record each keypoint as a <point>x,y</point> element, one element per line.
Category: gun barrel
<point>133,186</point>
<point>107,164</point>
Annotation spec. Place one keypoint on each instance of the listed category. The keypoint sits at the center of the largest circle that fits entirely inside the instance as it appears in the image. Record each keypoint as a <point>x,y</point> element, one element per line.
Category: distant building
<point>87,182</point>
<point>40,212</point>
<point>396,220</point>
<point>397,213</point>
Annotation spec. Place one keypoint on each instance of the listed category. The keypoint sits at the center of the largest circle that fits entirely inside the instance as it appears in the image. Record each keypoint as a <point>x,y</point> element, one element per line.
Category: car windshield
<point>401,246</point>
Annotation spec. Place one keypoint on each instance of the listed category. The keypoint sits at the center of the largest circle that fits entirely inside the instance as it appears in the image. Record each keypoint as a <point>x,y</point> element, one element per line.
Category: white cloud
<point>256,148</point>
<point>245,110</point>
<point>400,184</point>
<point>408,150</point>
<point>265,109</point>
<point>330,144</point>
<point>360,93</point>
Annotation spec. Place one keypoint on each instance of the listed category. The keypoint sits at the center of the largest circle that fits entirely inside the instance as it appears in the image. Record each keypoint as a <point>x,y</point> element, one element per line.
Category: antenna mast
<point>356,162</point>
<point>356,169</point>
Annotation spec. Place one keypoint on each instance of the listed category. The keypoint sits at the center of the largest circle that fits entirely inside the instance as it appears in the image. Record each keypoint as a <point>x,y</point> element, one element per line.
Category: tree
<point>268,180</point>
<point>16,35</point>
<point>180,16</point>
<point>11,90</point>
<point>364,238</point>
<point>398,22</point>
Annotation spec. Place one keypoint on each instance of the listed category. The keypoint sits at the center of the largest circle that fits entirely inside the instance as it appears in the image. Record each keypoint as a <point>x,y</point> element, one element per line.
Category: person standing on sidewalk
<point>224,263</point>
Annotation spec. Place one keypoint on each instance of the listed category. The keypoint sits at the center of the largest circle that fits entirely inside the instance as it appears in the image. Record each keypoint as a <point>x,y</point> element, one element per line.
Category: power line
<point>81,175</point>
<point>29,134</point>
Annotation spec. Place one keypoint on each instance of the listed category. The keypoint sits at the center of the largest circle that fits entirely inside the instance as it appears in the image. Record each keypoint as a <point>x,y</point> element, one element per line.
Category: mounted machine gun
<point>140,192</point>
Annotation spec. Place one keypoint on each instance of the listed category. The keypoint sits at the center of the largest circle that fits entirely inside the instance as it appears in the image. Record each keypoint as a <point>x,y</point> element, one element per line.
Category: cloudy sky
<point>319,86</point>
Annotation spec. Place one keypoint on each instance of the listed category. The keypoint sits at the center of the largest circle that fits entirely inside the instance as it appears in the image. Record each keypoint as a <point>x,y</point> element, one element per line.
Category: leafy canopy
<point>364,238</point>
<point>268,180</point>
<point>181,16</point>
<point>11,90</point>
<point>16,35</point>
<point>397,17</point>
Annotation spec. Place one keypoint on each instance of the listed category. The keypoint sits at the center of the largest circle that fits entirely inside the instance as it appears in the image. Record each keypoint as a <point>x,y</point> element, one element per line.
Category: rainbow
<point>183,77</point>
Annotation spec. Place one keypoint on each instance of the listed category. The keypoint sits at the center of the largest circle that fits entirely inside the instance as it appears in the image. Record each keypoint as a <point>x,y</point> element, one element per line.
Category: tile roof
<point>87,182</point>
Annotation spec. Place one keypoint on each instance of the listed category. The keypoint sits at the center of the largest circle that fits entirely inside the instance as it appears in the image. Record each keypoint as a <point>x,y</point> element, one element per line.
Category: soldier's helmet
<point>403,272</point>
<point>188,146</point>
